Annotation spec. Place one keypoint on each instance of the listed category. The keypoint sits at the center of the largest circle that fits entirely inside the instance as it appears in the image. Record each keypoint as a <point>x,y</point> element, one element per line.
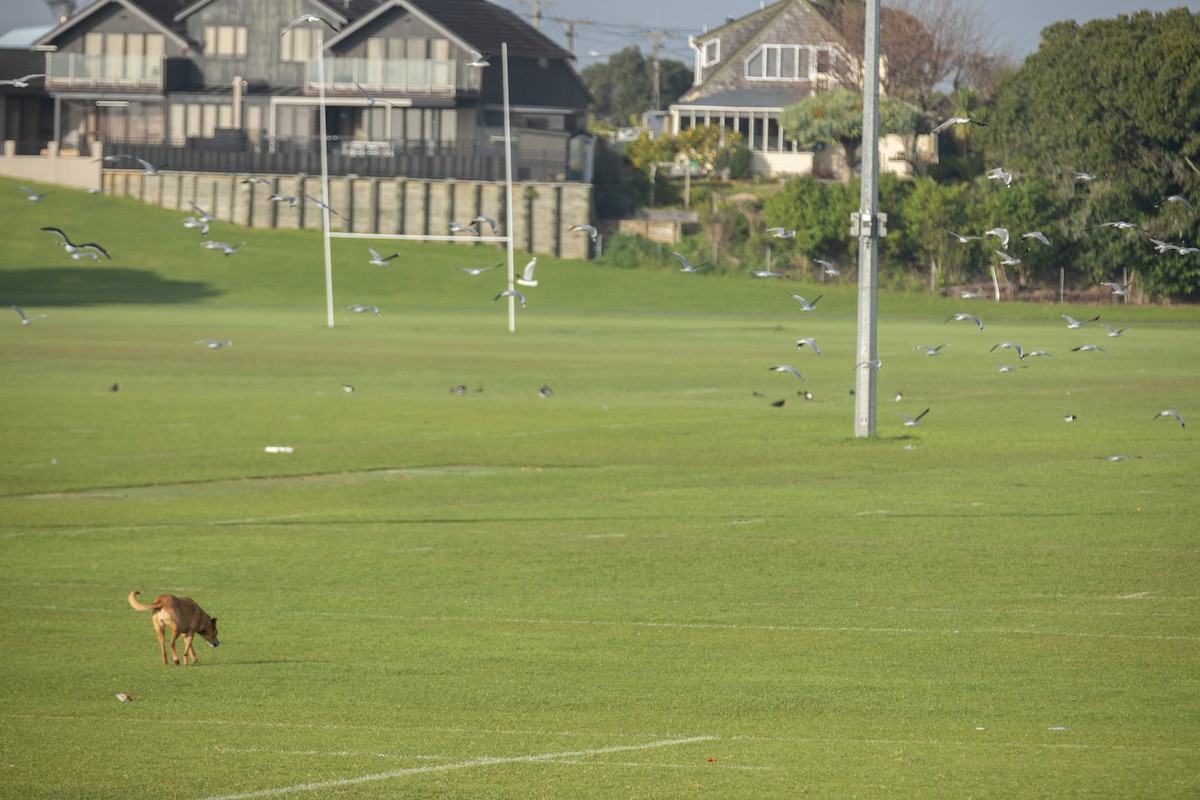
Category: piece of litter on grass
<point>277,449</point>
<point>125,698</point>
<point>1058,728</point>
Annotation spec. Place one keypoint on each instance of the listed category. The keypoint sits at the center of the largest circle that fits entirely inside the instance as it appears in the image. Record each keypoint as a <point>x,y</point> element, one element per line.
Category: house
<point>751,68</point>
<point>203,80</point>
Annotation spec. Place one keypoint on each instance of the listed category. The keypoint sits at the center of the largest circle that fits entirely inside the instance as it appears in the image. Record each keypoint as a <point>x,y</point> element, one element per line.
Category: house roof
<point>764,98</point>
<point>159,13</point>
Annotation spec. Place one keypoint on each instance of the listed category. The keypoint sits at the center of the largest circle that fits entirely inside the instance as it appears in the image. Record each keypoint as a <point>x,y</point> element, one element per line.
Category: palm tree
<point>965,102</point>
<point>836,117</point>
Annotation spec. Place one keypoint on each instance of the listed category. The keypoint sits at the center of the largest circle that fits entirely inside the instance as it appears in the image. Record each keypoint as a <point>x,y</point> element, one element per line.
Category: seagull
<point>931,351</point>
<point>1000,233</point>
<point>1113,332</point>
<point>358,308</point>
<point>970,295</point>
<point>347,388</point>
<point>828,268</point>
<point>811,342</point>
<point>875,365</point>
<point>1083,177</point>
<point>456,228</point>
<point>225,247</point>
<point>1120,225</point>
<point>964,317</point>
<point>255,179</point>
<point>545,391</point>
<point>33,196</point>
<point>1000,174</point>
<point>1169,413</point>
<point>1007,260</point>
<point>147,167</point>
<point>72,248</point>
<point>201,214</point>
<point>478,59</point>
<point>687,265</point>
<point>1117,289</point>
<point>1084,348</point>
<point>491,223</point>
<point>1162,247</point>
<point>1070,418</point>
<point>588,229</point>
<point>765,273</point>
<point>962,239</point>
<point>804,304</point>
<point>912,422</point>
<point>213,344</point>
<point>1007,368</point>
<point>786,368</point>
<point>897,397</point>
<point>1073,323</point>
<point>1009,346</point>
<point>511,293</point>
<point>319,204</point>
<point>23,81</point>
<point>192,222</point>
<point>526,278</point>
<point>780,403</point>
<point>378,260</point>
<point>81,254</point>
<point>1041,237</point>
<point>476,270</point>
<point>25,320</point>
<point>781,233</point>
<point>805,393</point>
<point>958,121</point>
<point>291,200</point>
<point>1175,198</point>
<point>303,18</point>
<point>1036,354</point>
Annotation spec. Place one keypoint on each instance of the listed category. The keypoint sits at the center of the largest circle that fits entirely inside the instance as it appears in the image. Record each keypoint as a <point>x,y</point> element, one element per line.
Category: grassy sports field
<point>651,584</point>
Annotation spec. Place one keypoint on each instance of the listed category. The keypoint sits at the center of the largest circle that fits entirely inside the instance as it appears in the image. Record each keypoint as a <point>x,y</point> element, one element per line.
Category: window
<point>710,53</point>
<point>225,41</point>
<point>299,44</point>
<point>780,62</point>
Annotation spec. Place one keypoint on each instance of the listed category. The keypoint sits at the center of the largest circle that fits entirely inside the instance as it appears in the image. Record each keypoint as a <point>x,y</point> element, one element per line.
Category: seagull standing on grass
<point>73,248</point>
<point>912,422</point>
<point>25,320</point>
<point>378,260</point>
<point>965,317</point>
<point>526,278</point>
<point>1169,413</point>
<point>804,304</point>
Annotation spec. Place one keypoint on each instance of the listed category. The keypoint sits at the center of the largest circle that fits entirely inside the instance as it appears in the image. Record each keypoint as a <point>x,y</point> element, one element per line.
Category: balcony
<point>425,76</point>
<point>83,70</point>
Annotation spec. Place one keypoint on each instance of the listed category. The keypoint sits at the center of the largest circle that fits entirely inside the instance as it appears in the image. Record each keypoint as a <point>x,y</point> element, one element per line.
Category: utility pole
<point>570,26</point>
<point>868,226</point>
<point>656,38</point>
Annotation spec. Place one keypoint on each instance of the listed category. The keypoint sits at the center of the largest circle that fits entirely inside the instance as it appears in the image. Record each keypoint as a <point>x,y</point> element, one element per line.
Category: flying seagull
<point>478,59</point>
<point>378,260</point>
<point>687,265</point>
<point>964,317</point>
<point>786,368</point>
<point>804,304</point>
<point>1000,174</point>
<point>1007,260</point>
<point>481,220</point>
<point>73,248</point>
<point>588,229</point>
<point>958,121</point>
<point>511,293</point>
<point>225,247</point>
<point>23,81</point>
<point>765,273</point>
<point>1169,413</point>
<point>1037,353</point>
<point>999,233</point>
<point>781,233</point>
<point>201,214</point>
<point>1041,237</point>
<point>476,270</point>
<point>1009,346</point>
<point>1083,177</point>
<point>291,200</point>
<point>931,351</point>
<point>1117,289</point>
<point>213,344</point>
<point>1113,332</point>
<point>811,342</point>
<point>1085,348</point>
<point>456,228</point>
<point>147,167</point>
<point>358,308</point>
<point>876,365</point>
<point>962,239</point>
<point>1119,224</point>
<point>1073,323</point>
<point>256,179</point>
<point>31,195</point>
<point>912,422</point>
<point>319,204</point>
<point>303,18</point>
<point>25,320</point>
<point>1178,198</point>
<point>526,278</point>
<point>827,267</point>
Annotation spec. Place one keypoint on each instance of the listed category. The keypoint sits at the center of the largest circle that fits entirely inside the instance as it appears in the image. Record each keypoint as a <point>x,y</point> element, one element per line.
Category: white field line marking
<point>478,762</point>
<point>346,753</point>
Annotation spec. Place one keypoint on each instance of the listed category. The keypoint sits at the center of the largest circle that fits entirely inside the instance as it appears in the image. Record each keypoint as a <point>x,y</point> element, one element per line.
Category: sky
<point>604,28</point>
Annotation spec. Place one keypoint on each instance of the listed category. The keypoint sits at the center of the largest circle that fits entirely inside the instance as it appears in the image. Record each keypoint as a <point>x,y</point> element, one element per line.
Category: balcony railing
<point>405,75</point>
<point>87,70</point>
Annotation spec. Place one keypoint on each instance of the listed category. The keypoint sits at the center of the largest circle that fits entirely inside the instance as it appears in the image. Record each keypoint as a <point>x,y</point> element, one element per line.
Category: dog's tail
<point>142,606</point>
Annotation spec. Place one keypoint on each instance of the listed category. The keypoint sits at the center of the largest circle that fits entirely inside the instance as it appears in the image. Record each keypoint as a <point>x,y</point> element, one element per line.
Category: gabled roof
<point>474,24</point>
<point>159,13</point>
<point>338,12</point>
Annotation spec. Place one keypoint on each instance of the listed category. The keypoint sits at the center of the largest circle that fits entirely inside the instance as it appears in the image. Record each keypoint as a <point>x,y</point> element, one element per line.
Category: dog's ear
<point>214,620</point>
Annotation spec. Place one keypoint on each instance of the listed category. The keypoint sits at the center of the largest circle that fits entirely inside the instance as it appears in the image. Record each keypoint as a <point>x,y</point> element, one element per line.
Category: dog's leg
<point>174,636</point>
<point>187,648</point>
<point>158,630</point>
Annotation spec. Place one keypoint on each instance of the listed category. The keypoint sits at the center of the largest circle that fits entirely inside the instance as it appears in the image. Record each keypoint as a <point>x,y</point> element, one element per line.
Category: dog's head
<point>209,632</point>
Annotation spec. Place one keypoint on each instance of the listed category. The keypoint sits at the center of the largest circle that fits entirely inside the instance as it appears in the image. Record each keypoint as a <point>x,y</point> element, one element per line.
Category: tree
<point>1119,99</point>
<point>836,117</point>
<point>623,86</point>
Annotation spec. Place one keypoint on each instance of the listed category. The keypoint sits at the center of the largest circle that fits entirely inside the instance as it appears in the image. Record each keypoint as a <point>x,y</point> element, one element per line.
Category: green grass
<point>652,584</point>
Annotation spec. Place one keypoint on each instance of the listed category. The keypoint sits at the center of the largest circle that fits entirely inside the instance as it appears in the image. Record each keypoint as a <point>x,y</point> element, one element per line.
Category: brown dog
<point>183,616</point>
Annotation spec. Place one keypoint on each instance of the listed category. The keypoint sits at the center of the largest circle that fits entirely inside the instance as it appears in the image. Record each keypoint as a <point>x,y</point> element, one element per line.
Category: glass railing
<point>409,75</point>
<point>86,69</point>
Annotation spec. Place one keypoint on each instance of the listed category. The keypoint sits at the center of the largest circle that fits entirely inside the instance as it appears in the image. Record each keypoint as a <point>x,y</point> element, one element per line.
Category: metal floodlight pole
<point>325,183</point>
<point>868,233</point>
<point>508,203</point>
